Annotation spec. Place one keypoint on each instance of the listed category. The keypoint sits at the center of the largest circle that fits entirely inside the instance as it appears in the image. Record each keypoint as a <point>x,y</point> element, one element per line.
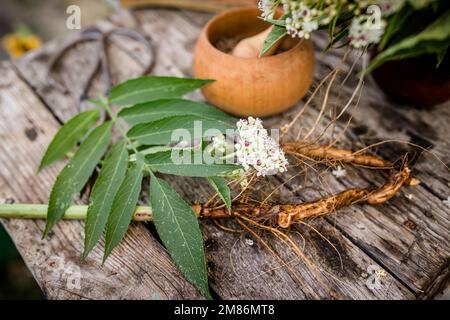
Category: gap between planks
<point>131,274</point>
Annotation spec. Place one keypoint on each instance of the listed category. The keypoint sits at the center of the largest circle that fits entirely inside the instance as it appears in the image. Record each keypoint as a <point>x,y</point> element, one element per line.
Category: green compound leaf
<point>420,4</point>
<point>178,229</point>
<point>396,23</point>
<point>123,206</point>
<point>103,194</point>
<point>221,187</point>
<point>159,109</point>
<point>186,163</point>
<point>277,22</point>
<point>160,132</point>
<point>69,135</point>
<point>276,34</point>
<point>433,39</point>
<point>151,88</point>
<point>76,173</point>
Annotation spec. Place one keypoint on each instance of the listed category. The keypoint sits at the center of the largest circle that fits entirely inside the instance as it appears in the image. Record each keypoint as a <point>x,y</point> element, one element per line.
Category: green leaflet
<point>160,132</point>
<point>277,22</point>
<point>157,149</point>
<point>178,229</point>
<point>123,206</point>
<point>151,150</point>
<point>333,22</point>
<point>419,4</point>
<point>275,35</point>
<point>76,173</point>
<point>159,109</point>
<point>433,39</point>
<point>103,193</point>
<point>151,88</point>
<point>396,23</point>
<point>220,185</point>
<point>191,164</point>
<point>440,56</point>
<point>68,136</point>
<point>336,38</point>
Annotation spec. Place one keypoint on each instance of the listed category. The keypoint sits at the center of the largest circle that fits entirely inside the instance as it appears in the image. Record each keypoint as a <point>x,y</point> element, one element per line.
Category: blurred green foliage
<point>16,281</point>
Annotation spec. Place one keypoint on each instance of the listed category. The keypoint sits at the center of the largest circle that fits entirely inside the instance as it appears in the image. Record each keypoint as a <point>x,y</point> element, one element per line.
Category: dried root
<point>300,212</point>
<point>317,152</point>
<point>285,215</point>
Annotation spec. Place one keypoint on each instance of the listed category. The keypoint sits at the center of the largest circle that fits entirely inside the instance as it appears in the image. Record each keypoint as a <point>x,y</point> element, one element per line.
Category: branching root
<point>319,152</point>
<point>286,214</point>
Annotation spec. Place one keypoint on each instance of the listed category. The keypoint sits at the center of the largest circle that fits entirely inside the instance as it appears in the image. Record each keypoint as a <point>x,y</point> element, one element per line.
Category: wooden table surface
<point>405,240</point>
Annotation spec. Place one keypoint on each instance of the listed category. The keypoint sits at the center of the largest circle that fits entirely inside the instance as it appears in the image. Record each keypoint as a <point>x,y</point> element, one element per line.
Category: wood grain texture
<point>251,79</point>
<point>406,235</point>
<point>406,238</point>
<point>376,238</point>
<point>139,268</point>
<point>240,267</point>
<point>167,60</point>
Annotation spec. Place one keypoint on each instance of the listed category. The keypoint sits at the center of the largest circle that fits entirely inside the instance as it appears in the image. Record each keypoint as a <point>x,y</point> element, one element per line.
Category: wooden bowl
<point>251,86</point>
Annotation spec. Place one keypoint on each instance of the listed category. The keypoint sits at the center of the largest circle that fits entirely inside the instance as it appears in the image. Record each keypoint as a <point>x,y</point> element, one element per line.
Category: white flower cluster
<point>256,149</point>
<point>268,8</point>
<point>365,30</point>
<point>219,144</point>
<point>389,7</point>
<point>305,16</point>
<point>253,148</point>
<point>302,19</point>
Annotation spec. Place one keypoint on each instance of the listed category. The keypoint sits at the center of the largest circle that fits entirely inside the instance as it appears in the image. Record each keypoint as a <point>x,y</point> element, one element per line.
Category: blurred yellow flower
<point>17,44</point>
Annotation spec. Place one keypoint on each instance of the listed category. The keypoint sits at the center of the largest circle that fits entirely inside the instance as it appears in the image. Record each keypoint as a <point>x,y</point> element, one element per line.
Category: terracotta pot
<point>251,86</point>
<point>415,81</point>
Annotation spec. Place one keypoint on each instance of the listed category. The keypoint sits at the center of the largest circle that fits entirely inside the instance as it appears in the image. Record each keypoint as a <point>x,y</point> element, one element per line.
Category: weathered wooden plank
<point>240,267</point>
<point>175,52</point>
<point>391,121</point>
<point>415,273</point>
<point>139,268</point>
<point>174,57</point>
<point>74,69</point>
<point>408,236</point>
<point>175,44</point>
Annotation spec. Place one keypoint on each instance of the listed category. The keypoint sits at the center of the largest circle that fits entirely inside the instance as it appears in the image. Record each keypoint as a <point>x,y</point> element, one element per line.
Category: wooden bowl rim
<point>228,12</point>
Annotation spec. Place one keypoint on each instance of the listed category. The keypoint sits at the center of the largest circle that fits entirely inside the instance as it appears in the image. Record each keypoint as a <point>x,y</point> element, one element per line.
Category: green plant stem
<point>39,211</point>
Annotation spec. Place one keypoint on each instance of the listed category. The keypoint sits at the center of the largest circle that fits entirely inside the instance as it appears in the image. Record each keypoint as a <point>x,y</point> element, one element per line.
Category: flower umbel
<point>388,7</point>
<point>365,30</point>
<point>302,17</point>
<point>268,8</point>
<point>256,149</point>
<point>219,144</point>
<point>302,20</point>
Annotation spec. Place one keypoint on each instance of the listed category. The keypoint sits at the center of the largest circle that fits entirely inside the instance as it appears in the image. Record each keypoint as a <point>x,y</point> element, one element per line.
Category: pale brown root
<point>289,214</point>
<point>319,152</point>
<point>292,213</point>
<point>389,189</point>
<point>285,215</point>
